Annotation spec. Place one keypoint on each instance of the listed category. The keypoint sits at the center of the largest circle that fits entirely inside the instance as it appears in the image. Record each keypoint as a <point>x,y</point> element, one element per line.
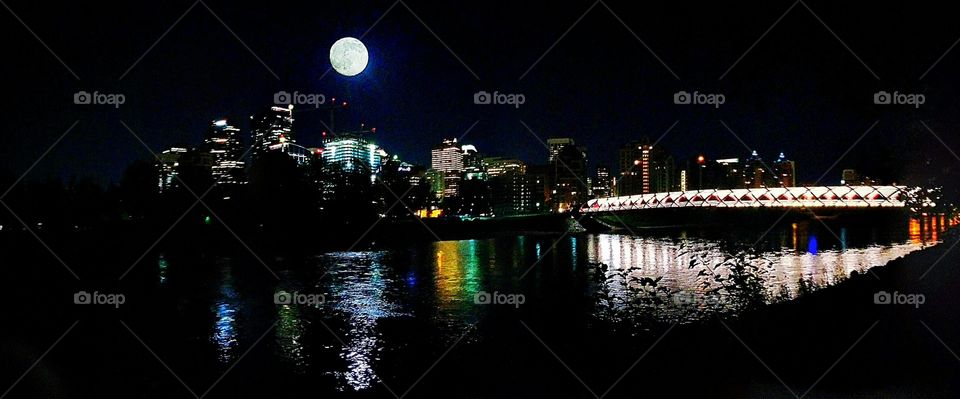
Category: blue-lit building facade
<point>352,153</point>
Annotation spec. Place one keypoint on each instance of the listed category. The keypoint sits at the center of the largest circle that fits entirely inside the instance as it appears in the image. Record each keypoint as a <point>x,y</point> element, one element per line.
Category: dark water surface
<point>500,317</point>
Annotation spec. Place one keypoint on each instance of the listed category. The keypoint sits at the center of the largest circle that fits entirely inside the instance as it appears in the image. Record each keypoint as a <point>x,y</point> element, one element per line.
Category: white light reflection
<point>225,311</point>
<point>682,266</point>
<point>359,292</point>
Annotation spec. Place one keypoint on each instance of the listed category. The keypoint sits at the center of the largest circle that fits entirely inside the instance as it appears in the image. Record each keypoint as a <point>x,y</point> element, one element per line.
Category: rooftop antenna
<point>333,106</point>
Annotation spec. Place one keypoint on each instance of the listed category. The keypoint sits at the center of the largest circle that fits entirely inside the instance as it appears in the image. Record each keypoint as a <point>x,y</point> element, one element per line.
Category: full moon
<point>348,56</point>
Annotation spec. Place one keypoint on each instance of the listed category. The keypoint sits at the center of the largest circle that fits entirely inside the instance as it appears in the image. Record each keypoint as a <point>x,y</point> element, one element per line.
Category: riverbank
<point>835,342</point>
<point>873,350</point>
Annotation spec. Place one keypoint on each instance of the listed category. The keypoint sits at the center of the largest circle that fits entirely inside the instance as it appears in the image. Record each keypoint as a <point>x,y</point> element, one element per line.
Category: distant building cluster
<point>466,182</point>
<point>463,181</point>
<point>646,168</point>
<point>222,156</point>
<point>731,173</point>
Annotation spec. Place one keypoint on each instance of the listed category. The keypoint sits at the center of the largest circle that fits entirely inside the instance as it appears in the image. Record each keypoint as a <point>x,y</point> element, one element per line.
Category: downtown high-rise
<point>447,159</point>
<point>222,142</point>
<point>644,168</point>
<point>271,128</point>
<point>352,152</point>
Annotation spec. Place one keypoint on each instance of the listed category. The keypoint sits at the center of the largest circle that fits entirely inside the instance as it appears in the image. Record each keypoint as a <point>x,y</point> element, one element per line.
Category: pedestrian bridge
<point>773,197</point>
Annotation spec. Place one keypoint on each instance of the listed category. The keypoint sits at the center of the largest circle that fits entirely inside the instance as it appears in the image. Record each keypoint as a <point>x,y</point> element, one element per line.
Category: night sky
<point>799,89</point>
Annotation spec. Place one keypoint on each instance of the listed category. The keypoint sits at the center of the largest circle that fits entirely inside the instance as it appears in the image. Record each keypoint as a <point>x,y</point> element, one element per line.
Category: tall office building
<point>223,143</point>
<point>472,163</point>
<point>556,144</point>
<point>447,158</point>
<point>755,173</point>
<point>352,152</point>
<point>271,128</point>
<point>644,169</point>
<point>568,179</point>
<point>496,166</point>
<point>168,166</point>
<point>474,192</point>
<point>508,193</point>
<point>602,183</point>
<point>786,171</point>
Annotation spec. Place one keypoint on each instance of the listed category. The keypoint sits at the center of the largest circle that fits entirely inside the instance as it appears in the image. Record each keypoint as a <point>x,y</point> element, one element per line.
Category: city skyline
<point>771,110</point>
<point>406,198</point>
<point>258,128</point>
<point>255,140</point>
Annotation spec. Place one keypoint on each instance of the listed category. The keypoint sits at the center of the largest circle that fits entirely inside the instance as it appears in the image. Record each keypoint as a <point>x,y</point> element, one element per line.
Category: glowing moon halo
<point>348,56</point>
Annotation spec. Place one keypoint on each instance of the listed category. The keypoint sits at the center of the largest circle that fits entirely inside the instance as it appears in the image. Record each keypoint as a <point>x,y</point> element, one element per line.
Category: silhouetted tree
<point>138,191</point>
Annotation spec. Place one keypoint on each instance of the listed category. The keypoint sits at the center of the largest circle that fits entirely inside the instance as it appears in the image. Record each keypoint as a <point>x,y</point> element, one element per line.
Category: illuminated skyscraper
<point>512,190</point>
<point>556,144</point>
<point>271,128</point>
<point>223,143</point>
<point>497,166</point>
<point>644,169</point>
<point>168,167</point>
<point>786,171</point>
<point>472,163</point>
<point>602,185</point>
<point>754,172</point>
<point>352,153</point>
<point>447,158</point>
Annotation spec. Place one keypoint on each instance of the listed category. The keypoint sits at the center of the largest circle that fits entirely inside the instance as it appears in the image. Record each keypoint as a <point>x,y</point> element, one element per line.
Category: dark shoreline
<point>898,358</point>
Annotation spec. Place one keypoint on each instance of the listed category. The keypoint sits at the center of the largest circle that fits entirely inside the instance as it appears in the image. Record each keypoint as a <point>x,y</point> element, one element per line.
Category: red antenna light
<point>373,130</point>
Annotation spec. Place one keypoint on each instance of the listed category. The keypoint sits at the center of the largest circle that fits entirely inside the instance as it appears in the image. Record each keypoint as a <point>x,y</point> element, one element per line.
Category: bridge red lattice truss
<point>776,197</point>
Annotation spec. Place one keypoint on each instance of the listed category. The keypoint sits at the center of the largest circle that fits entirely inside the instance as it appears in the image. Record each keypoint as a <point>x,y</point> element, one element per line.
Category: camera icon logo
<point>282,98</point>
<point>882,298</point>
<point>482,97</point>
<point>282,298</point>
<point>482,298</point>
<point>882,97</point>
<point>82,298</point>
<point>82,97</point>
<point>683,298</point>
<point>681,97</point>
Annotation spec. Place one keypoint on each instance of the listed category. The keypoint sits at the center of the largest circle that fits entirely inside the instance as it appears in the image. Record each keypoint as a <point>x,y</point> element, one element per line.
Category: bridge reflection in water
<point>699,277</point>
